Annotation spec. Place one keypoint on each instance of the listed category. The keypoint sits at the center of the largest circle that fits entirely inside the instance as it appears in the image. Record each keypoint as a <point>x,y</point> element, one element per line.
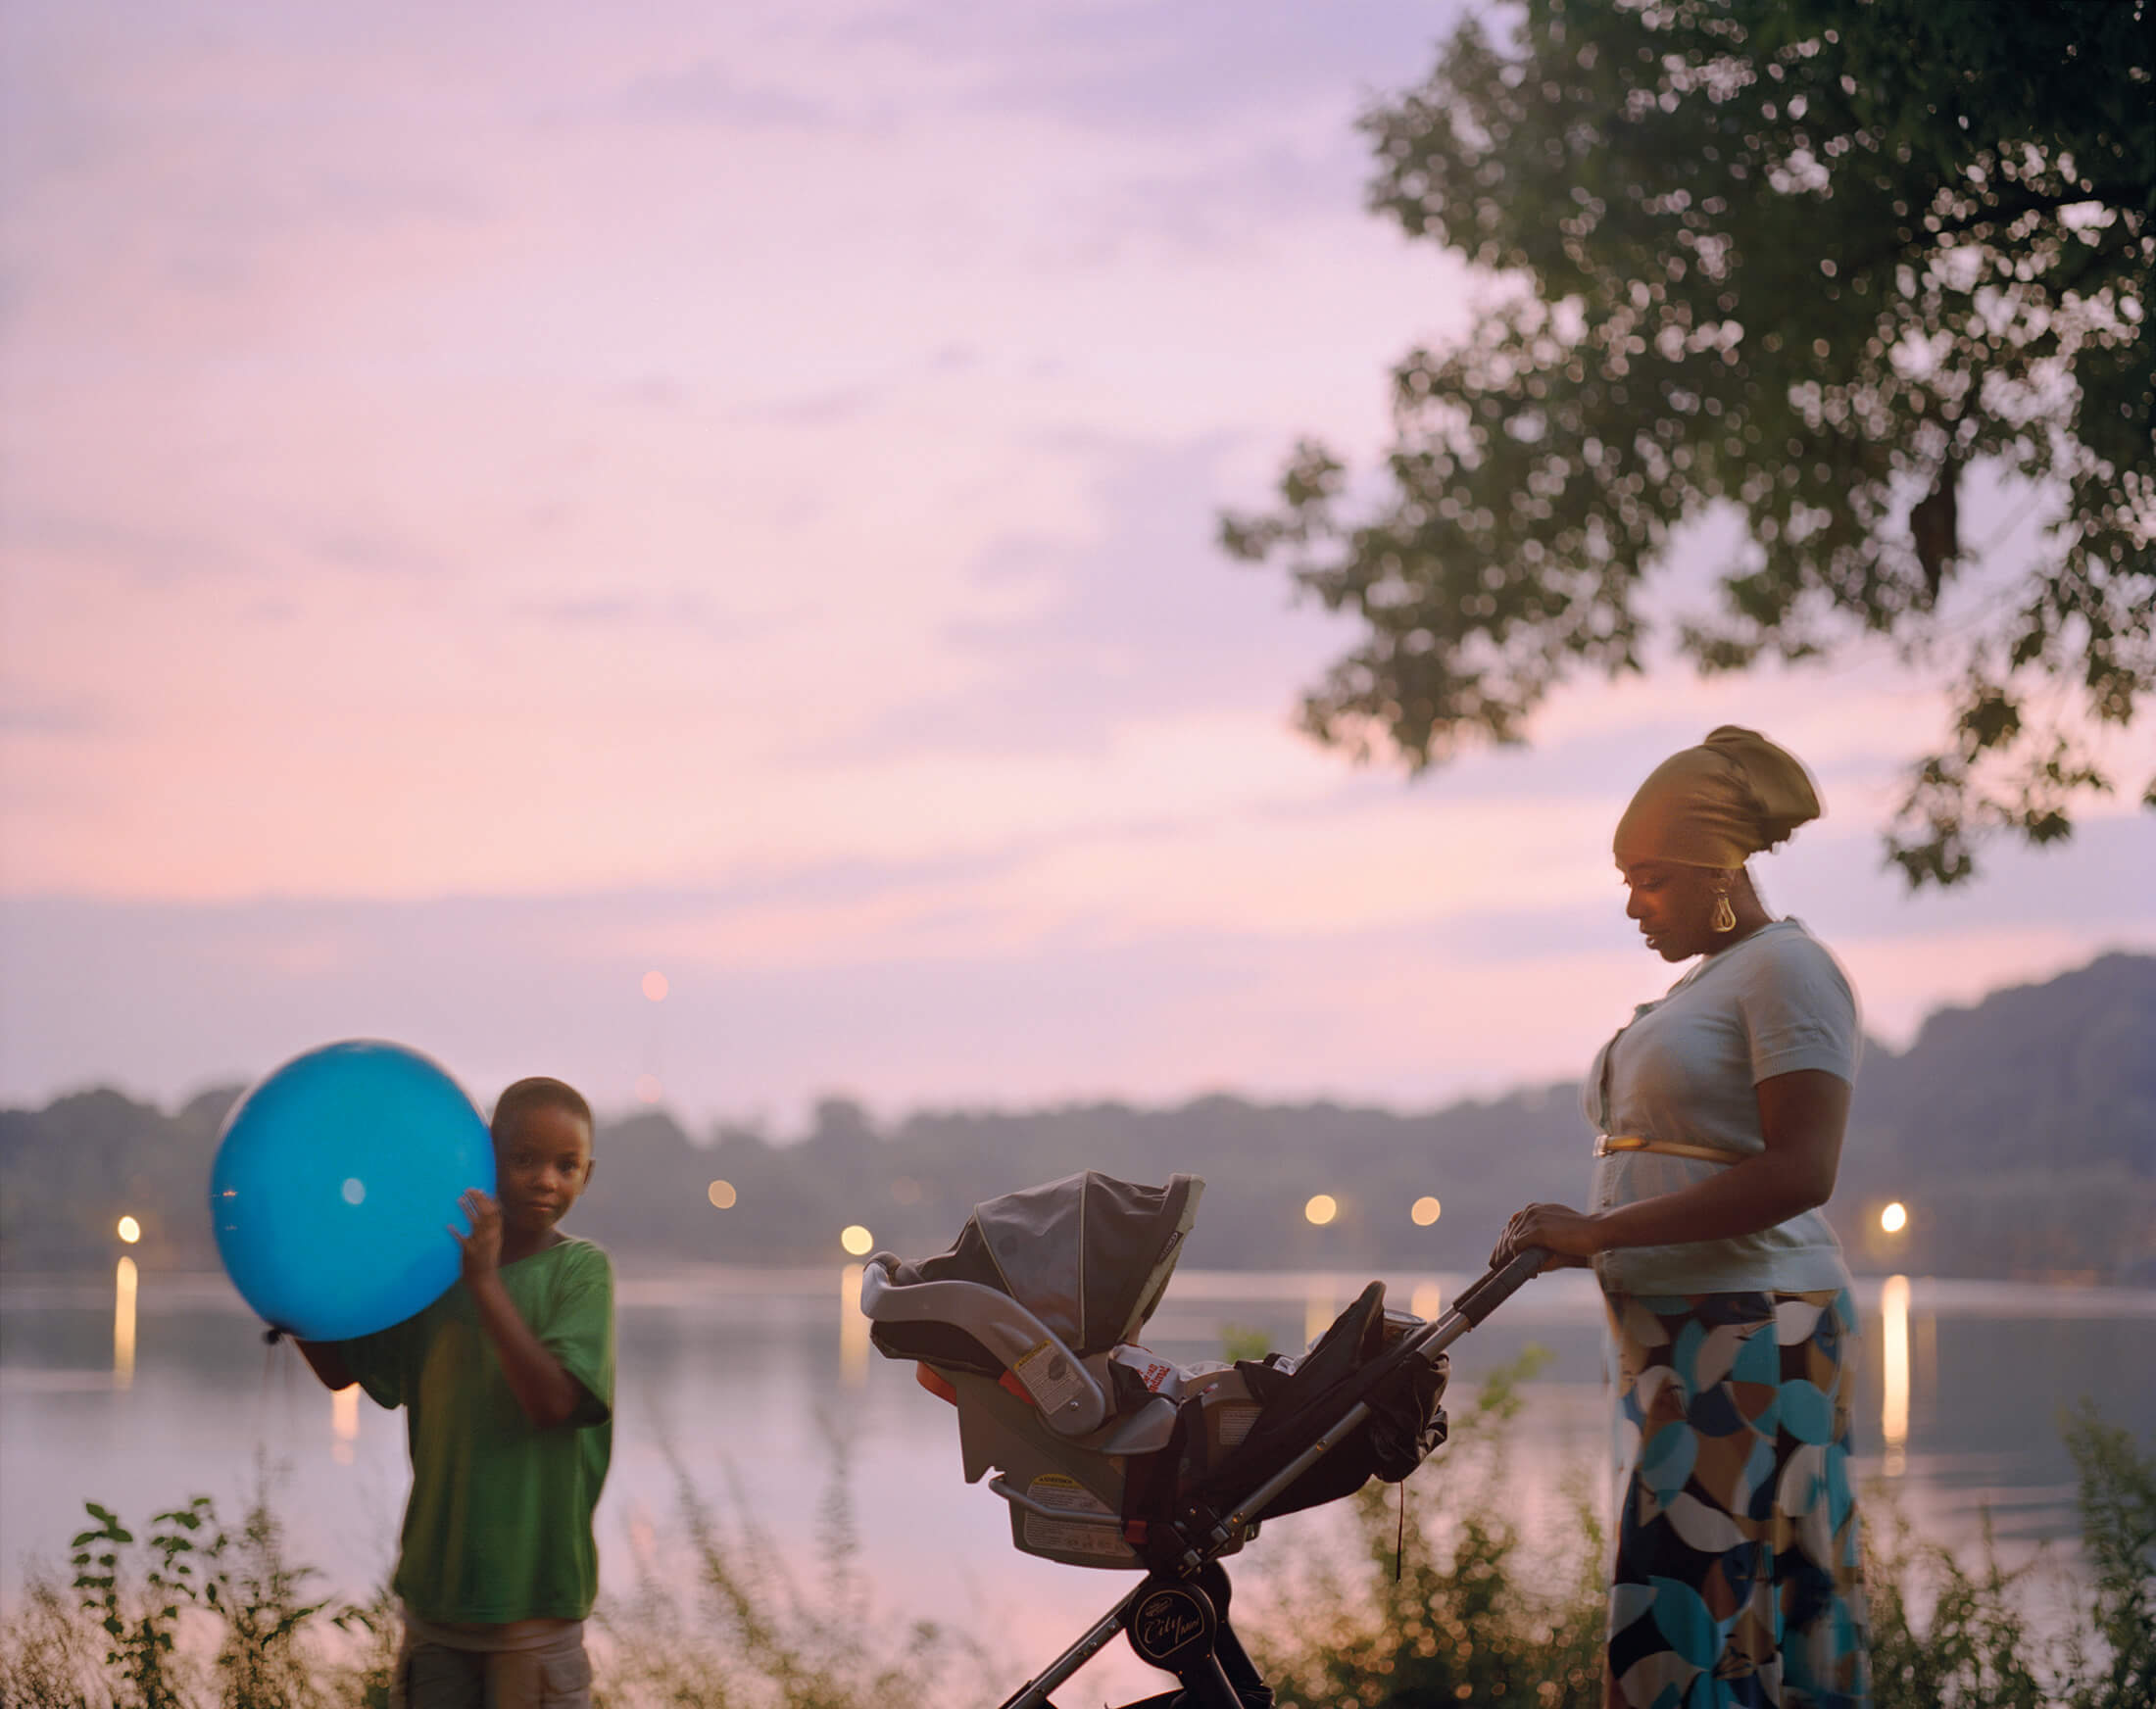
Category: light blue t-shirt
<point>1685,1069</point>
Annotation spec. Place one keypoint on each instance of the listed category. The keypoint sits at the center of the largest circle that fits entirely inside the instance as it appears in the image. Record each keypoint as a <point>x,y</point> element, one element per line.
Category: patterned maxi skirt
<point>1738,1580</point>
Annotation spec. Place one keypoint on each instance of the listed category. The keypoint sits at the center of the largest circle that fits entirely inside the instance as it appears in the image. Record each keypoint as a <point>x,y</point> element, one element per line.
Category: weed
<point>1448,1603</point>
<point>1472,1610</point>
<point>121,1643</point>
<point>745,1636</point>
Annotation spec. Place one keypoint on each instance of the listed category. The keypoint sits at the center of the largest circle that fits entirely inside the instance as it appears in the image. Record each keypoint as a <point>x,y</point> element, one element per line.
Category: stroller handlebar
<point>1484,1296</point>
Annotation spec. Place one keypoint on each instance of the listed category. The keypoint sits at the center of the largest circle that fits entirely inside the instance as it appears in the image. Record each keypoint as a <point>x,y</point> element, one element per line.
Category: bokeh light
<point>1894,1218</point>
<point>648,1089</point>
<point>857,1239</point>
<point>1321,1209</point>
<point>722,1196</point>
<point>655,985</point>
<point>1425,1210</point>
<point>130,1230</point>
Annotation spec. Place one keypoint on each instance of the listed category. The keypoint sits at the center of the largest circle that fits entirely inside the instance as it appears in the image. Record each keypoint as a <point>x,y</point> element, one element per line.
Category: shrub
<point>1450,1604</point>
<point>1978,1648</point>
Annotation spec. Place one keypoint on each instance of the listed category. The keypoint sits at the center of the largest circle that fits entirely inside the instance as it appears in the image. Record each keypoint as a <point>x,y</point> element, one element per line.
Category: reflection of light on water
<point>1318,1309</point>
<point>1427,1302</point>
<point>643,1536</point>
<point>1894,1418</point>
<point>852,1327</point>
<point>124,1323</point>
<point>344,1423</point>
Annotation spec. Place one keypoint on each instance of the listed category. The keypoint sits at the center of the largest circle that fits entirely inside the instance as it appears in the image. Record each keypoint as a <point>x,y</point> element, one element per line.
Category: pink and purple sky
<point>500,500</point>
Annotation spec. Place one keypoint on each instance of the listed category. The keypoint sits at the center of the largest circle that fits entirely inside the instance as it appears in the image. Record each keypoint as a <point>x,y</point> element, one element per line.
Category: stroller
<point>1111,1456</point>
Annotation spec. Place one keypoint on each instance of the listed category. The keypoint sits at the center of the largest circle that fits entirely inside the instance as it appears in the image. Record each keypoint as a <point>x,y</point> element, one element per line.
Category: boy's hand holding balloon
<point>483,1247</point>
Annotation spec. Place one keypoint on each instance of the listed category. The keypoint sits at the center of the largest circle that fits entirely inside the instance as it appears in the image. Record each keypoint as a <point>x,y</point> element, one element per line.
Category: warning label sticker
<point>1092,1529</point>
<point>1055,1490</point>
<point>1051,1377</point>
<point>1070,1538</point>
<point>1236,1421</point>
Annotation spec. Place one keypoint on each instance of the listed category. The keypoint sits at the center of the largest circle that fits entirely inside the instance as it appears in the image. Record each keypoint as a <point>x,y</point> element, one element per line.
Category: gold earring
<point>1725,916</point>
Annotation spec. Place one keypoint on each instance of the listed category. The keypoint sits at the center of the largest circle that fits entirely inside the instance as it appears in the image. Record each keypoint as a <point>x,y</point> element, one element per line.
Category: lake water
<point>755,1382</point>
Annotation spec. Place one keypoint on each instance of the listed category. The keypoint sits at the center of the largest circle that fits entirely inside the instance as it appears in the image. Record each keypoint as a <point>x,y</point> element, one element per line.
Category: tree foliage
<point>1813,263</point>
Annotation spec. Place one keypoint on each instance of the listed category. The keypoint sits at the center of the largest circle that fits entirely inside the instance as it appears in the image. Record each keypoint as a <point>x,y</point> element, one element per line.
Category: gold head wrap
<point>1733,795</point>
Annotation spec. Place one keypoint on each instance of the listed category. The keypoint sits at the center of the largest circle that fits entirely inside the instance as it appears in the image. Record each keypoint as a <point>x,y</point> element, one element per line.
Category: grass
<point>738,1631</point>
<point>190,1615</point>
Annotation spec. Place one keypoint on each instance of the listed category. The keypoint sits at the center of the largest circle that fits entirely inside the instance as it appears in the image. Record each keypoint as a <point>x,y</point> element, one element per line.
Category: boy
<point>507,1386</point>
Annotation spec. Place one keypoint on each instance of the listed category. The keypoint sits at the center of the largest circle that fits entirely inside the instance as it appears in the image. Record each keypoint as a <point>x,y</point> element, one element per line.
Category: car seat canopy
<point>1088,1255</point>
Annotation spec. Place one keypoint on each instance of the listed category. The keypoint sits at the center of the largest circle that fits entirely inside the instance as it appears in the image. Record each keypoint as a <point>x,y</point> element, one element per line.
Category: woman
<point>1721,1111</point>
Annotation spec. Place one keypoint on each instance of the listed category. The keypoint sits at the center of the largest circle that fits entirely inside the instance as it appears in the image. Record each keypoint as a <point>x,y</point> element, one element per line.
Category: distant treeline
<point>2021,1134</point>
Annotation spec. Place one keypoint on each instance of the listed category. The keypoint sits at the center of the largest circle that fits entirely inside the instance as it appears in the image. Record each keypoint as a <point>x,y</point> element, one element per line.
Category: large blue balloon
<point>337,1184</point>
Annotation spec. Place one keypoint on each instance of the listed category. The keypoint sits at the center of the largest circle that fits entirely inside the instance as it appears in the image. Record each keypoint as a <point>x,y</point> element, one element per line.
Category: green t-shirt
<point>499,1524</point>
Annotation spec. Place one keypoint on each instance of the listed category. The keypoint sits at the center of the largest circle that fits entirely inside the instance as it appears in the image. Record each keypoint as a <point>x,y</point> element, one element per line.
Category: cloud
<point>607,612</point>
<point>912,998</point>
<point>1236,204</point>
<point>1132,614</point>
<point>372,552</point>
<point>161,549</point>
<point>1166,64</point>
<point>823,408</point>
<point>54,720</point>
<point>710,93</point>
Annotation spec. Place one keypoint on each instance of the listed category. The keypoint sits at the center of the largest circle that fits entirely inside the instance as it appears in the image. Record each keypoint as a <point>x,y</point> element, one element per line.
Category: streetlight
<point>857,1239</point>
<point>1321,1209</point>
<point>1894,1218</point>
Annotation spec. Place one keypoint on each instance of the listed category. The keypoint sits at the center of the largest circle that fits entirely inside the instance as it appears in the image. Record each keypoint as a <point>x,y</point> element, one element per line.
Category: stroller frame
<point>1175,1619</point>
<point>1176,1616</point>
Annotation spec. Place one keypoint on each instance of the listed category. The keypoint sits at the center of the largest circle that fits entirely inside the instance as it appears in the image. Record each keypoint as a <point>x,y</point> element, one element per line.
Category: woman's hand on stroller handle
<point>1569,1236</point>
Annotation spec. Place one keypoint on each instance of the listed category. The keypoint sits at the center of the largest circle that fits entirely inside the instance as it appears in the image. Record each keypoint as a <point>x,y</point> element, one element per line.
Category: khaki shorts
<point>554,1673</point>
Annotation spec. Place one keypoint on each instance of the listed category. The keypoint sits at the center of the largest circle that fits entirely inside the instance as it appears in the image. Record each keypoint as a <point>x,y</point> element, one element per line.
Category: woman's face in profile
<point>1674,904</point>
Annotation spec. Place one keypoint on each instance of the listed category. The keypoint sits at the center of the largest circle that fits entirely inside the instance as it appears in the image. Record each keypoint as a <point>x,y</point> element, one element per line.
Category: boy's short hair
<point>538,1092</point>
